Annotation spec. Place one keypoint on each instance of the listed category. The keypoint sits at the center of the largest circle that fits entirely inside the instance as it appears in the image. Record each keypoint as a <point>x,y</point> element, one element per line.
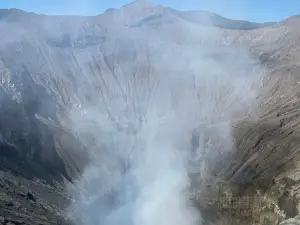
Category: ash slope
<point>51,64</point>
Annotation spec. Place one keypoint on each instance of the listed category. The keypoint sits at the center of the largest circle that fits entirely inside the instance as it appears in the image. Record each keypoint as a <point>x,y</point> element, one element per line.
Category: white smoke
<point>138,135</point>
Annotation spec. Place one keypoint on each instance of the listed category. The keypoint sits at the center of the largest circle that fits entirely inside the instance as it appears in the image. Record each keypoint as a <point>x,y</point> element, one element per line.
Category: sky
<point>252,10</point>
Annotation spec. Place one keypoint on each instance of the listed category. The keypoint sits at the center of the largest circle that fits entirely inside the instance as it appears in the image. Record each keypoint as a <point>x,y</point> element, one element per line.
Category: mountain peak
<point>138,10</point>
<point>138,4</point>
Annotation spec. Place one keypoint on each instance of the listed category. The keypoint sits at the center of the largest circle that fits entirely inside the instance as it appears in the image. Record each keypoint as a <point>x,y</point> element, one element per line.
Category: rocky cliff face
<point>51,63</point>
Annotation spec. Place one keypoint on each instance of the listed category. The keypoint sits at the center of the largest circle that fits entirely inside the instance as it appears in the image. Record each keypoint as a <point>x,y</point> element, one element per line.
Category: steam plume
<point>138,134</point>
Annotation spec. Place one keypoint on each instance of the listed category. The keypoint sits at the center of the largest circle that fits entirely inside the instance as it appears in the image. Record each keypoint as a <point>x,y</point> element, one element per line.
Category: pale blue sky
<point>253,10</point>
